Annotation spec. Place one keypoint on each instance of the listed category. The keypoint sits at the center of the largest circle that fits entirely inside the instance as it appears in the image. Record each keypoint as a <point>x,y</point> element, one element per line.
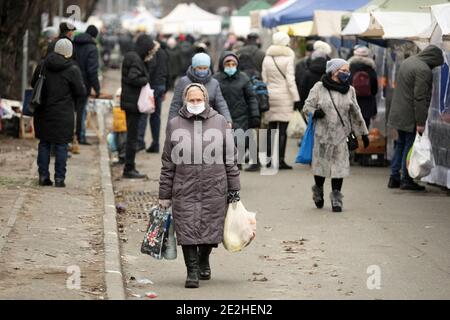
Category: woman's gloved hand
<point>165,204</point>
<point>234,196</point>
<point>319,114</point>
<point>366,141</point>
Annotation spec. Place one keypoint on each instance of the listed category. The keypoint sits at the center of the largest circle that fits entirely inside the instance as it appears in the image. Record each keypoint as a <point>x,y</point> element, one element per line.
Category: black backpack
<point>262,94</point>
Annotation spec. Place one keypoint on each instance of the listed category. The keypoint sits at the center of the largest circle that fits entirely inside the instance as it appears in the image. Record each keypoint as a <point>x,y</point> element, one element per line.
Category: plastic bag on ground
<point>297,126</point>
<point>146,102</point>
<point>421,161</point>
<point>240,227</point>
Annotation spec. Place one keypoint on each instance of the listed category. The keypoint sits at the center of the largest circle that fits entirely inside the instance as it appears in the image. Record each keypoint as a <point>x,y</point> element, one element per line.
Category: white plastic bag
<point>421,161</point>
<point>146,102</point>
<point>240,227</point>
<point>297,126</point>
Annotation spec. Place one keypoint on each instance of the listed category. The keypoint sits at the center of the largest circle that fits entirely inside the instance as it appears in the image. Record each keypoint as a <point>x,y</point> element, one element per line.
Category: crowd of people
<point>338,95</point>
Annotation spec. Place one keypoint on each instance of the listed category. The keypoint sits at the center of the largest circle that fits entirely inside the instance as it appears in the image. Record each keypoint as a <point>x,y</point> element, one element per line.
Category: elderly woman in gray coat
<point>199,177</point>
<point>329,101</point>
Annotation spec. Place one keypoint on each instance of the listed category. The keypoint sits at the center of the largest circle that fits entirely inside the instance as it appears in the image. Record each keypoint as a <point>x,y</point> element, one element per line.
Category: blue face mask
<point>343,77</point>
<point>201,73</point>
<point>230,71</point>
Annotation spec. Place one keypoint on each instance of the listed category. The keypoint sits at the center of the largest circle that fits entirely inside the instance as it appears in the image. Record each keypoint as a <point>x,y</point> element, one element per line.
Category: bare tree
<point>15,18</point>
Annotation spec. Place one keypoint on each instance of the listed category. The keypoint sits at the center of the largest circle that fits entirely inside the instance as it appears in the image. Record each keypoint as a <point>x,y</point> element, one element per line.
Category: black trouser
<point>336,183</point>
<point>132,136</point>
<point>282,127</point>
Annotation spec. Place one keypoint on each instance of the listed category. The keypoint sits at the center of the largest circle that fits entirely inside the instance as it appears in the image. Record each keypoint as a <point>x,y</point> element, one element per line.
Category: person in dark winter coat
<point>253,50</point>
<point>186,46</point>
<point>87,58</point>
<point>200,72</point>
<point>160,83</point>
<point>198,188</point>
<point>301,68</point>
<point>316,70</point>
<point>54,119</point>
<point>409,110</point>
<point>66,31</point>
<point>134,77</point>
<point>174,54</point>
<point>363,67</point>
<point>319,49</point>
<point>239,95</point>
<point>159,77</point>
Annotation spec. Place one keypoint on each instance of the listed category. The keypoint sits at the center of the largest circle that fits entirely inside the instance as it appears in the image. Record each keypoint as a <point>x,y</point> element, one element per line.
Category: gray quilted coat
<point>198,191</point>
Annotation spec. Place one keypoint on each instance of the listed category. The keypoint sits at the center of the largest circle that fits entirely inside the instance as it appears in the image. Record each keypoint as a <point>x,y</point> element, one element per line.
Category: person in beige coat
<point>278,72</point>
<point>336,113</point>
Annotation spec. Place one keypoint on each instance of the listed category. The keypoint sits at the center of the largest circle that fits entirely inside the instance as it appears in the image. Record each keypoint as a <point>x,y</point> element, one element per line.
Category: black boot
<point>284,165</point>
<point>191,260</point>
<point>45,181</point>
<point>336,201</point>
<point>394,182</point>
<point>203,260</point>
<point>253,168</point>
<point>133,174</point>
<point>59,183</point>
<point>318,196</point>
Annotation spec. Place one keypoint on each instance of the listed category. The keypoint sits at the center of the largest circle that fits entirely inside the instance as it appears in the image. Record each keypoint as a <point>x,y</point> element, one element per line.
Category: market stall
<point>189,18</point>
<point>241,20</point>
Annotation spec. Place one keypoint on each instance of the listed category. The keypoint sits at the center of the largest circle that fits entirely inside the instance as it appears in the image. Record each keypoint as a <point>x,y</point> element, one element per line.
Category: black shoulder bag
<point>352,140</point>
<point>37,97</point>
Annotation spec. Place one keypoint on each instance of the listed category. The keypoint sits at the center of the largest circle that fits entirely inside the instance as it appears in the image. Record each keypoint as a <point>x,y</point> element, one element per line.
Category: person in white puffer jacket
<point>279,73</point>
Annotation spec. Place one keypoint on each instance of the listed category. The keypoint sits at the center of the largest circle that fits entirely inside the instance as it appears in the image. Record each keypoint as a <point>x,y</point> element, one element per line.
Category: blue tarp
<point>303,10</point>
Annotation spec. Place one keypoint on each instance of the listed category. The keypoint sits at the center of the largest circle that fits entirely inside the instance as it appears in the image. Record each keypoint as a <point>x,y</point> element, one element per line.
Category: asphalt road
<point>385,245</point>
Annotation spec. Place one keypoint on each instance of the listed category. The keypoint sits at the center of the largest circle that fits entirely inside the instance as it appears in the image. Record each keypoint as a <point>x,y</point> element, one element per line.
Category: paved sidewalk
<point>57,234</point>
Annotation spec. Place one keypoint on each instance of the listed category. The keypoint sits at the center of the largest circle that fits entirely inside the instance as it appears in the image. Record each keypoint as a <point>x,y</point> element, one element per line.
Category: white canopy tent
<point>189,18</point>
<point>389,25</point>
<point>440,23</point>
<point>240,25</point>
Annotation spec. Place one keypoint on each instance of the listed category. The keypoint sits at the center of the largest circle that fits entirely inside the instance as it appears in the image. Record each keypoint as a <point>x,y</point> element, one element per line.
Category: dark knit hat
<point>92,31</point>
<point>66,27</point>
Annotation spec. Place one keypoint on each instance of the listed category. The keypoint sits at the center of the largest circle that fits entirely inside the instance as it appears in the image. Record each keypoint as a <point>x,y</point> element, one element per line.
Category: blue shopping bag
<point>306,150</point>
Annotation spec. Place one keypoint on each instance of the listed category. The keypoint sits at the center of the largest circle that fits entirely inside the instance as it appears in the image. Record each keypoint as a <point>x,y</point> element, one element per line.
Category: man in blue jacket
<point>86,55</point>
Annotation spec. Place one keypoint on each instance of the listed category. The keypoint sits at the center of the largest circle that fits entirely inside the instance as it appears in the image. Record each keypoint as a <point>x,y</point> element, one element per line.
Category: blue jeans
<point>402,146</point>
<point>81,119</point>
<point>43,159</point>
<point>155,119</point>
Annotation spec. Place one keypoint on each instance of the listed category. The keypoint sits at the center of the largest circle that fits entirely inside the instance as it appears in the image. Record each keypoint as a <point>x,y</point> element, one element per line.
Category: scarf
<point>330,84</point>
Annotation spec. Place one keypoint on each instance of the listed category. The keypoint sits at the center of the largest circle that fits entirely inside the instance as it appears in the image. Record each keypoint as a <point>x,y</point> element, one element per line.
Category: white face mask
<point>196,108</point>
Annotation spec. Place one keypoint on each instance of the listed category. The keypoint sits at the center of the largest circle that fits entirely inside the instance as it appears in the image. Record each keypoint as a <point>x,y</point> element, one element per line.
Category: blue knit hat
<point>201,59</point>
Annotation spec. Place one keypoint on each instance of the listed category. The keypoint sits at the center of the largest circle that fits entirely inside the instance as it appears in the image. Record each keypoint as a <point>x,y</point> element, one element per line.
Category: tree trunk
<point>14,21</point>
<point>15,18</point>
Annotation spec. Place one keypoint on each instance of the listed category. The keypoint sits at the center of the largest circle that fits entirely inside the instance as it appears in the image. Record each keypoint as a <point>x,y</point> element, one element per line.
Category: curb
<point>113,269</point>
